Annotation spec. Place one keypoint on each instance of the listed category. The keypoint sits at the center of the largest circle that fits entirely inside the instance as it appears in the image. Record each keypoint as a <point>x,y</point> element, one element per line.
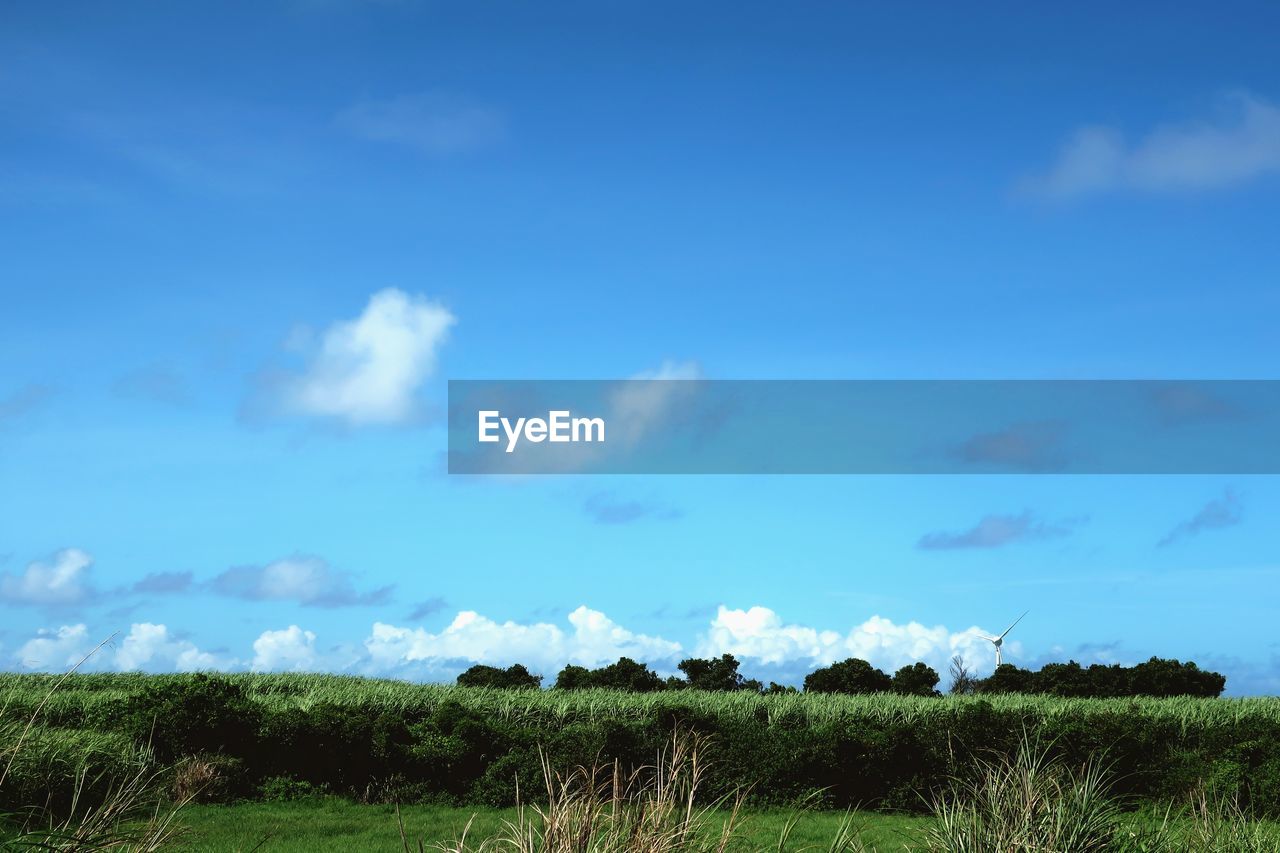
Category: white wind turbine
<point>999,641</point>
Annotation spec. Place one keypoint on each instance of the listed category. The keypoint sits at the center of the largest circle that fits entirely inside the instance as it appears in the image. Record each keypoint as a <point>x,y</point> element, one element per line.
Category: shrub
<point>514,676</point>
<point>189,715</point>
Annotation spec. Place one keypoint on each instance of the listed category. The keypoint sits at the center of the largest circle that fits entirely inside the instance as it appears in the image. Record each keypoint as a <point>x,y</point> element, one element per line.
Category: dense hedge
<point>391,741</point>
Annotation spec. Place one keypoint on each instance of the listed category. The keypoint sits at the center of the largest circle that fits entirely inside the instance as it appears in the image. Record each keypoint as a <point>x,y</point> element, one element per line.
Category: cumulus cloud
<point>993,531</point>
<point>758,635</point>
<point>593,640</point>
<point>1240,144</point>
<point>147,646</point>
<point>431,123</point>
<point>1226,511</point>
<point>368,370</point>
<point>289,650</point>
<point>62,581</point>
<point>309,581</point>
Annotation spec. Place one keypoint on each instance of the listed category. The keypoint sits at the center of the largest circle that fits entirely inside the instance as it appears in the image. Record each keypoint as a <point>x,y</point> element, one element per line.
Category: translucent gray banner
<point>662,426</point>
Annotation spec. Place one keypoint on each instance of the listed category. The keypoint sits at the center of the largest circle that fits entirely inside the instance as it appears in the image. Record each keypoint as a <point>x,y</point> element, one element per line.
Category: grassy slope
<point>334,824</point>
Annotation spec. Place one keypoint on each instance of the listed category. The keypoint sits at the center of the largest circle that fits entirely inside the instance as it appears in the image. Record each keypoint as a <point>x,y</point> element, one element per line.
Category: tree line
<point>853,676</point>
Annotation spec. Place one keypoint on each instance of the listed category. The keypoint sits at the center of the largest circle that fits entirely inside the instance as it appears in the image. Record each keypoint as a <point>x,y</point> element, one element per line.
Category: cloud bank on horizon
<point>757,635</point>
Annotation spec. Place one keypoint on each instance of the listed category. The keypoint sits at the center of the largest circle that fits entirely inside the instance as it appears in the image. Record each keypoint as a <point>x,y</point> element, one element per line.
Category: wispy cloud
<point>306,580</point>
<point>1035,446</point>
<point>24,400</point>
<point>1226,511</point>
<point>155,383</point>
<point>1241,143</point>
<point>994,531</point>
<point>607,508</point>
<point>431,123</point>
<point>61,581</point>
<point>423,609</point>
<point>163,582</point>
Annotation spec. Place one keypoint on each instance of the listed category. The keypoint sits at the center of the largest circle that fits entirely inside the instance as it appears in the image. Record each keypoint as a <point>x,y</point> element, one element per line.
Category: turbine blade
<point>1015,622</point>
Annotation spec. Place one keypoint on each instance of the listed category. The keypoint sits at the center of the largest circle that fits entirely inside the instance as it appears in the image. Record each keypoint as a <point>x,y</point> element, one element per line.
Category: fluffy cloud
<point>368,370</point>
<point>60,582</point>
<point>759,635</point>
<point>428,122</point>
<point>593,640</point>
<point>1226,511</point>
<point>993,531</point>
<point>1241,144</point>
<point>147,647</point>
<point>291,649</point>
<point>309,581</point>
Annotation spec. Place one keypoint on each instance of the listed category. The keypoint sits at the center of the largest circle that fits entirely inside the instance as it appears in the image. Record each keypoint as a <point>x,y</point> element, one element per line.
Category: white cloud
<point>310,581</point>
<point>55,649</point>
<point>291,649</point>
<point>367,370</point>
<point>1240,145</point>
<point>593,641</point>
<point>61,581</point>
<point>759,635</point>
<point>147,646</point>
<point>429,122</point>
<point>151,647</point>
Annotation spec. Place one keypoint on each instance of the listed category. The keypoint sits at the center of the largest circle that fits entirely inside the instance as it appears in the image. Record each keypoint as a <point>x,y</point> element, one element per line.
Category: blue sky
<point>199,205</point>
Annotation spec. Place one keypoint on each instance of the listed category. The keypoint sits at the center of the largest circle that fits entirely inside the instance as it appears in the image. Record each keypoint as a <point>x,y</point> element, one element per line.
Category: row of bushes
<point>452,752</point>
<point>1156,677</point>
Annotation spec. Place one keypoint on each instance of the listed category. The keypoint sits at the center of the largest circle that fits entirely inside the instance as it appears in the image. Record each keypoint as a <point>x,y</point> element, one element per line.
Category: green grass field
<point>335,824</point>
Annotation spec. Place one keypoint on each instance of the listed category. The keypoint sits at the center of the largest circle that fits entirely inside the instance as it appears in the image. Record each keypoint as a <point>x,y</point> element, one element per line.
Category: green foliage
<point>852,676</point>
<point>386,741</point>
<point>716,674</point>
<point>918,679</point>
<point>1157,677</point>
<point>191,715</point>
<point>513,677</point>
<point>626,674</point>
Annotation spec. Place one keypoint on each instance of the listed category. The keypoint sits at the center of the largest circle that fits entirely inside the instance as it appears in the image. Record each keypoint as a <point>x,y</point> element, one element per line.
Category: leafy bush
<point>188,716</point>
<point>513,677</point>
<point>1157,677</point>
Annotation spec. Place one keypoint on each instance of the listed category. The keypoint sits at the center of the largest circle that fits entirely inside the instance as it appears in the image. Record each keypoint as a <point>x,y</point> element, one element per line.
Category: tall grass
<point>75,790</point>
<point>654,809</point>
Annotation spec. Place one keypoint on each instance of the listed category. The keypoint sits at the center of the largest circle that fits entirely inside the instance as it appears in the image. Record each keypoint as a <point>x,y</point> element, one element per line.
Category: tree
<point>626,674</point>
<point>573,677</point>
<point>918,679</point>
<point>1163,677</point>
<point>775,688</point>
<point>962,682</point>
<point>1009,679</point>
<point>716,674</point>
<point>514,676</point>
<point>853,675</point>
